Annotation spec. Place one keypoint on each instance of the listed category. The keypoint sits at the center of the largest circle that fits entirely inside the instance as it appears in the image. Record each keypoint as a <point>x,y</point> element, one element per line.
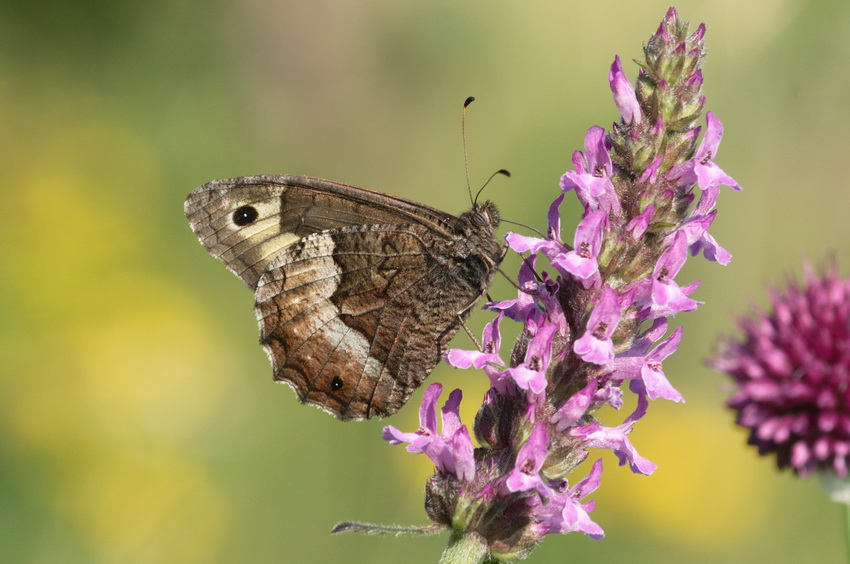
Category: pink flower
<point>451,451</point>
<point>596,345</point>
<point>591,178</point>
<point>531,373</point>
<point>624,93</point>
<point>640,223</point>
<point>701,168</point>
<point>461,358</point>
<point>595,435</point>
<point>581,262</point>
<point>665,297</point>
<point>526,473</point>
<point>644,369</point>
<point>565,512</point>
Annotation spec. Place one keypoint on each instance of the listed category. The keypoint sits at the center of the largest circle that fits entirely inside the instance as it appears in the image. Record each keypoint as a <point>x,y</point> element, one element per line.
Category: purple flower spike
<point>612,292</point>
<point>624,93</point>
<point>701,169</point>
<point>596,345</point>
<point>526,473</point>
<point>581,261</point>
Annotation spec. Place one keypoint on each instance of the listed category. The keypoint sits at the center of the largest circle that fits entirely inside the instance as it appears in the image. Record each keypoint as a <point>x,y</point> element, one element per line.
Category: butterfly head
<point>482,218</point>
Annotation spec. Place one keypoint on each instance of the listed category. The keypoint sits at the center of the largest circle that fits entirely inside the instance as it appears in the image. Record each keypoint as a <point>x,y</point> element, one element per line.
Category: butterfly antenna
<point>465,153</point>
<point>502,171</point>
<point>542,236</point>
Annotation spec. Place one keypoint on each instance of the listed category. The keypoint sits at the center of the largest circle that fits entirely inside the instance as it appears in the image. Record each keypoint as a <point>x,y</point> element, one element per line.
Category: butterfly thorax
<point>474,251</point>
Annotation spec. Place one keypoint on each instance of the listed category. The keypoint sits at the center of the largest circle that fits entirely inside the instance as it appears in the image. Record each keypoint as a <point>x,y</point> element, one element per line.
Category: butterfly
<point>358,293</point>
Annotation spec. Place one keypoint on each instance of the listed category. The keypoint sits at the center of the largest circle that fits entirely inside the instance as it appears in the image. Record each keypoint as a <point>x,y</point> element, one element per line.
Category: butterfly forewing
<point>288,208</point>
<point>357,293</point>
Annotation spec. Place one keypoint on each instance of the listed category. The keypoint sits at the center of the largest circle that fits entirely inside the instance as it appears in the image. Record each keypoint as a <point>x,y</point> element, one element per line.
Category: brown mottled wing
<point>355,319</point>
<point>289,208</point>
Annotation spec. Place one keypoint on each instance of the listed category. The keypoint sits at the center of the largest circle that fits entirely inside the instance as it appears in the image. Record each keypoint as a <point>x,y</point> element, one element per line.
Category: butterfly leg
<point>512,281</point>
<point>469,332</point>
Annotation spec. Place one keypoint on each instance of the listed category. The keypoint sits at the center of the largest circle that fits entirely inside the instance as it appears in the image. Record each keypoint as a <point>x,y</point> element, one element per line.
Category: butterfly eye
<point>245,215</point>
<point>480,219</point>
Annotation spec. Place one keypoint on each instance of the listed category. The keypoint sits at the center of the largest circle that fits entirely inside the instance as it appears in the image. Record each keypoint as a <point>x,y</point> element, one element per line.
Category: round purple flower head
<point>792,375</point>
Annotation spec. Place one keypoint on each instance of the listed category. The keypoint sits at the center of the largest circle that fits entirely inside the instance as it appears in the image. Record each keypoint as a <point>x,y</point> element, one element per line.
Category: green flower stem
<point>468,548</point>
<point>846,507</point>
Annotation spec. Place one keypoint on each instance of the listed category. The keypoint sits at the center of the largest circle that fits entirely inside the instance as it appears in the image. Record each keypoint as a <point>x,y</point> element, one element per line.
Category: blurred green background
<point>138,418</point>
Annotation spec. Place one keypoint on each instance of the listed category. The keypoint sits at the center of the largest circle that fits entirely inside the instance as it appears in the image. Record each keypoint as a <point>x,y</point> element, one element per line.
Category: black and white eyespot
<point>336,383</point>
<point>245,215</point>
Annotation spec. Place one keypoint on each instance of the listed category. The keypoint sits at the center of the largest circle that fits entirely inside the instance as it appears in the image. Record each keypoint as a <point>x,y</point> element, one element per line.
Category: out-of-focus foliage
<point>138,420</point>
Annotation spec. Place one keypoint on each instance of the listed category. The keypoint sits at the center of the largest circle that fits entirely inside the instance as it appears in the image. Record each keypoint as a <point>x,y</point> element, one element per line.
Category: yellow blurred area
<point>672,501</point>
<point>127,377</point>
<point>112,381</point>
<point>152,506</point>
<point>138,418</point>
